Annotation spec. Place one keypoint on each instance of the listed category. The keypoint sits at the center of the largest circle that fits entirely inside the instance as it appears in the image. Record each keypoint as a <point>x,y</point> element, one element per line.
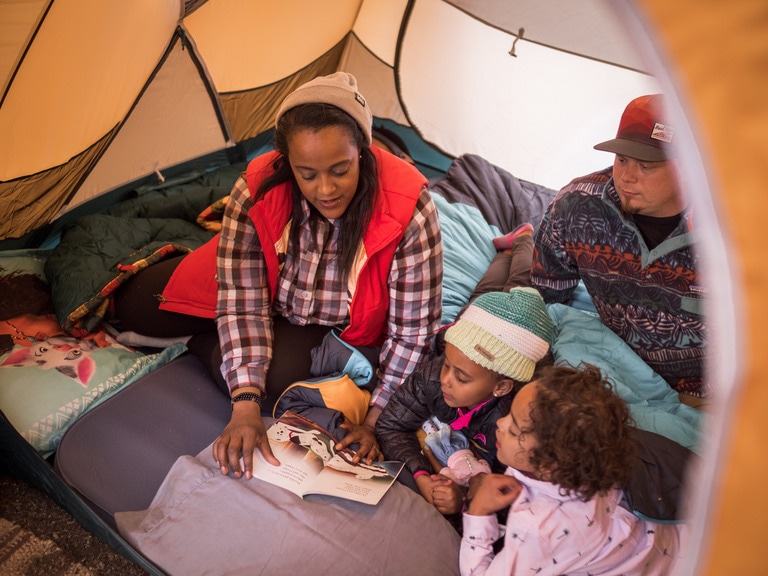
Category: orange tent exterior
<point>717,57</point>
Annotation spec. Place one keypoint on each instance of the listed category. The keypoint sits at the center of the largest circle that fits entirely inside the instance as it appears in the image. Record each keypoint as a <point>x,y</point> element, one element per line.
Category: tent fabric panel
<point>92,69</point>
<point>18,21</point>
<point>31,202</point>
<point>561,25</point>
<point>376,81</point>
<point>512,110</point>
<point>251,113</point>
<point>265,42</point>
<point>377,26</point>
<point>174,120</point>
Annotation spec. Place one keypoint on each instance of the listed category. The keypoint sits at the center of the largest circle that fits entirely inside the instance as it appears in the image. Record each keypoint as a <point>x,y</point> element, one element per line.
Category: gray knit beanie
<point>338,89</point>
<point>506,332</point>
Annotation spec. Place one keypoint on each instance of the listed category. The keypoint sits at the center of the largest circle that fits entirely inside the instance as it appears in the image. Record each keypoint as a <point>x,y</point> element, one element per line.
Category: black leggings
<point>291,356</point>
<point>136,308</point>
<point>136,305</point>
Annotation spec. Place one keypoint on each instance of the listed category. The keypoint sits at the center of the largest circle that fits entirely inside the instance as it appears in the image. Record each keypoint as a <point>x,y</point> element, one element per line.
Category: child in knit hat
<point>490,351</point>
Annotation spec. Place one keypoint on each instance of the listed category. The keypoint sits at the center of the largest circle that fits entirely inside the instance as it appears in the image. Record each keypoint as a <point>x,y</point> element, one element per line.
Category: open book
<point>310,463</point>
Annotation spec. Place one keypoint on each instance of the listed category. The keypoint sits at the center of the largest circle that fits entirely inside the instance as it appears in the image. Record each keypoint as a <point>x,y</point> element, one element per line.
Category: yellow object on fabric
<point>340,393</point>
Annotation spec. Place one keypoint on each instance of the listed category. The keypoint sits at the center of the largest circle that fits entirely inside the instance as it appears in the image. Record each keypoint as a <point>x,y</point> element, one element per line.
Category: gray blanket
<point>201,522</point>
<point>503,200</point>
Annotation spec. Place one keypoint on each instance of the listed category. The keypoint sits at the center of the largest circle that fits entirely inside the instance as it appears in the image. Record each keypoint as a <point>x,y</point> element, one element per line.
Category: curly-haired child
<point>567,442</point>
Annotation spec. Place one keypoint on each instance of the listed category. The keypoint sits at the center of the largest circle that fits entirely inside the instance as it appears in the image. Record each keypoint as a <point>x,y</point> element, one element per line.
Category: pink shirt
<point>551,534</point>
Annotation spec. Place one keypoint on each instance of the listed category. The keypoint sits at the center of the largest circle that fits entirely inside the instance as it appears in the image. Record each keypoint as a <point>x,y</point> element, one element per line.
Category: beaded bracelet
<point>252,396</point>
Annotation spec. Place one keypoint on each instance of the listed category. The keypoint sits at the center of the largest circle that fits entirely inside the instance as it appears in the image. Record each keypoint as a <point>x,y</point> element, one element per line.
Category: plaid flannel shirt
<point>309,291</point>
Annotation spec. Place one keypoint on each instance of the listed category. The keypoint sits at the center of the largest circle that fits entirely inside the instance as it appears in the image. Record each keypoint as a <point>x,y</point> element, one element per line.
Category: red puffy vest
<point>192,287</point>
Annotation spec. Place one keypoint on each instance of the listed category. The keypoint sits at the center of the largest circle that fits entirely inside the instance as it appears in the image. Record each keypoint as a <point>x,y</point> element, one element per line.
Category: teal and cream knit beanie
<point>506,332</point>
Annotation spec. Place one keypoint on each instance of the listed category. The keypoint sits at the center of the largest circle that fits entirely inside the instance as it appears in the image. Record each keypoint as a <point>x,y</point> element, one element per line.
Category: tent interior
<point>101,99</point>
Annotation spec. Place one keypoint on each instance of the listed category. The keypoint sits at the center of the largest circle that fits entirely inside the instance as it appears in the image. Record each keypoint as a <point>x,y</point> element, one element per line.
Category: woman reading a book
<point>325,231</point>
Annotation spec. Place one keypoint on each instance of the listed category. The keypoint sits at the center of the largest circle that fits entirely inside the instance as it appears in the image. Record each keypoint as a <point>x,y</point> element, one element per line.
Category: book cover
<point>310,464</point>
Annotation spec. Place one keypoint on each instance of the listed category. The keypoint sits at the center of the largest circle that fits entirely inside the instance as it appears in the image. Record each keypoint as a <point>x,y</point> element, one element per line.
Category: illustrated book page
<point>310,464</point>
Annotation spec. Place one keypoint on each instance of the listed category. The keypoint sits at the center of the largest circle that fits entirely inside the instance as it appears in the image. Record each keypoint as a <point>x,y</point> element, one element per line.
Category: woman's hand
<point>244,433</point>
<point>363,434</point>
<point>489,493</point>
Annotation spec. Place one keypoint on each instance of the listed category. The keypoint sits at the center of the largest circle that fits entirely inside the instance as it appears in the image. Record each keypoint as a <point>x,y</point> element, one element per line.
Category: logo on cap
<point>360,99</point>
<point>662,132</point>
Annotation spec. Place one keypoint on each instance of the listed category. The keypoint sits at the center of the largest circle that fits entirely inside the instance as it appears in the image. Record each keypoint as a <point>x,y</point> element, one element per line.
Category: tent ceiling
<point>377,26</point>
<point>19,22</point>
<point>92,69</point>
<point>537,114</point>
<point>154,136</point>
<point>266,41</point>
<point>562,25</point>
<point>441,66</point>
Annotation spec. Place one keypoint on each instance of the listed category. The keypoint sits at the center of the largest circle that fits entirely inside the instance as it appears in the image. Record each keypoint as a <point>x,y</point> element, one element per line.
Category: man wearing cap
<point>627,233</point>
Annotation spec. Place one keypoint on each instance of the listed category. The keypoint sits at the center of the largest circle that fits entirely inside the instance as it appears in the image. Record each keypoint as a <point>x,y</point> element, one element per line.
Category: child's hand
<point>441,492</point>
<point>447,497</point>
<point>428,483</point>
<point>489,493</point>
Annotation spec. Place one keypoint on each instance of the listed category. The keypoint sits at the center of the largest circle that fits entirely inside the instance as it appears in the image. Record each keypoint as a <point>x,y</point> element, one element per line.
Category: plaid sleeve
<point>243,309</point>
<point>415,291</point>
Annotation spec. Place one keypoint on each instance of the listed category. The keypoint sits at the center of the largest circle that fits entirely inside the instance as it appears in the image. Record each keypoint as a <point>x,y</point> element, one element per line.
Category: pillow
<point>47,377</point>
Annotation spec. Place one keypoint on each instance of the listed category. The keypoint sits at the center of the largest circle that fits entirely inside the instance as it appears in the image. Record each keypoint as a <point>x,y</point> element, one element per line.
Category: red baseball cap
<point>643,131</point>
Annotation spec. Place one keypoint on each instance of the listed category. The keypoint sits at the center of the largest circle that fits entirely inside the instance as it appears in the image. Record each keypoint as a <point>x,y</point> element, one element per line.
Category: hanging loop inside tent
<point>159,174</point>
<point>519,35</point>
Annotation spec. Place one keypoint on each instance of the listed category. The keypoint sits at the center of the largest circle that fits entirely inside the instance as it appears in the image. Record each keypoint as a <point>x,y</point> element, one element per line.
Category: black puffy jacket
<point>419,398</point>
<point>655,488</point>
